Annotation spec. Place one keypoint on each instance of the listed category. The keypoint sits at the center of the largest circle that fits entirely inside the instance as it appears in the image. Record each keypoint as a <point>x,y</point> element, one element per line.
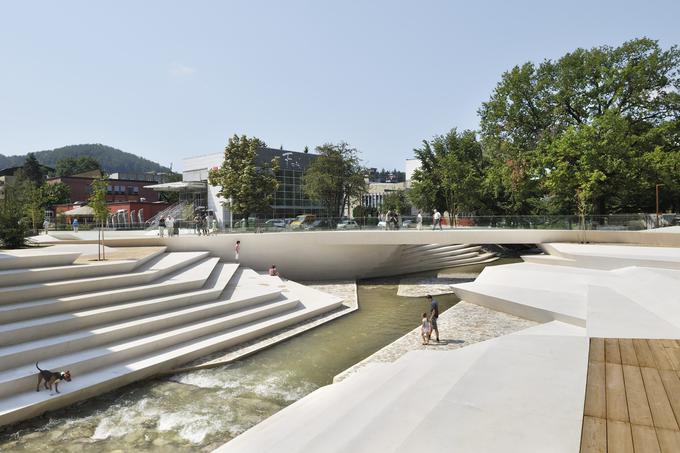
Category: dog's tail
<point>36,365</point>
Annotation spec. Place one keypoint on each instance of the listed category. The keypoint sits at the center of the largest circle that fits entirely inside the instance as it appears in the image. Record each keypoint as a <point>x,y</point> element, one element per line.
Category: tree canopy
<point>75,165</point>
<point>335,177</point>
<point>249,186</point>
<point>578,131</point>
<point>592,132</point>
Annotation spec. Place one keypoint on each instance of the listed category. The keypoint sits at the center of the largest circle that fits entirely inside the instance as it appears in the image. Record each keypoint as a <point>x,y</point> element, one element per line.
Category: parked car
<point>347,224</point>
<point>275,225</point>
<point>409,223</point>
<point>320,224</point>
<point>302,221</point>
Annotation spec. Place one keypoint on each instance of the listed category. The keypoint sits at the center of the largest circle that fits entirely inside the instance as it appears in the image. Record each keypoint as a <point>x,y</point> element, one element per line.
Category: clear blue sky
<point>167,79</point>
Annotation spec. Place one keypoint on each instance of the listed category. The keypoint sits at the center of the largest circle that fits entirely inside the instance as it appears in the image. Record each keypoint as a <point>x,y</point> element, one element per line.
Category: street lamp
<point>657,204</point>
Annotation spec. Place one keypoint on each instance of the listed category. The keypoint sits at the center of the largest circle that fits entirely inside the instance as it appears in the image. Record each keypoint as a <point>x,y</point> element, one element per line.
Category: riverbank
<point>459,326</point>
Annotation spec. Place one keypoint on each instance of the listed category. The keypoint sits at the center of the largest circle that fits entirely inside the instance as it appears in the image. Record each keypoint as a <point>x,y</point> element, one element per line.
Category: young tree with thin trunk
<point>97,202</point>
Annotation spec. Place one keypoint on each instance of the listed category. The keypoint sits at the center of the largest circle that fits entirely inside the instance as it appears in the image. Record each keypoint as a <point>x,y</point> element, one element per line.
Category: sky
<point>167,80</point>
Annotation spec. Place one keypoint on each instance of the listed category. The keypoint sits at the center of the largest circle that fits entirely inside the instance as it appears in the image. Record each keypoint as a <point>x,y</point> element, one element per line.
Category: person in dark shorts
<point>434,314</point>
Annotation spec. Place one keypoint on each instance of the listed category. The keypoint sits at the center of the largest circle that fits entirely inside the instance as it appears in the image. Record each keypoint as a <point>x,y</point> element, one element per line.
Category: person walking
<point>75,225</point>
<point>237,249</point>
<point>436,220</point>
<point>46,226</point>
<point>170,223</point>
<point>426,329</point>
<point>434,315</point>
<point>161,227</point>
<point>419,221</point>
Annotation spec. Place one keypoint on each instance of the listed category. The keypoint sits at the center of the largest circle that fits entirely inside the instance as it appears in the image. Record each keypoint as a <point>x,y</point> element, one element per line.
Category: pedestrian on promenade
<point>204,224</point>
<point>426,329</point>
<point>75,225</point>
<point>419,221</point>
<point>434,315</point>
<point>273,271</point>
<point>170,223</point>
<point>237,249</point>
<point>161,227</point>
<point>46,226</point>
<point>437,220</point>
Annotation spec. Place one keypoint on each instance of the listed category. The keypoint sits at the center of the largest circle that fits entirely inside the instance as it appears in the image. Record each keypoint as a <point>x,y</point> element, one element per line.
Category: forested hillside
<point>111,159</point>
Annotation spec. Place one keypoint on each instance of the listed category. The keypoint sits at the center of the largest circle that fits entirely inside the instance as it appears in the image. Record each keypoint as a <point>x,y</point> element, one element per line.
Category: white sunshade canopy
<point>178,186</point>
<point>84,211</point>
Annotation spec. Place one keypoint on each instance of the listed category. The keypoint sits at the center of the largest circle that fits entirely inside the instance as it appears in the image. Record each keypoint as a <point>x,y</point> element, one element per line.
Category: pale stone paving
<point>459,326</point>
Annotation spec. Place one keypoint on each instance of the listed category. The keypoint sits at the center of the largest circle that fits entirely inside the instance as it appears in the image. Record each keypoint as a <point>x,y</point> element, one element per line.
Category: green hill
<point>111,159</point>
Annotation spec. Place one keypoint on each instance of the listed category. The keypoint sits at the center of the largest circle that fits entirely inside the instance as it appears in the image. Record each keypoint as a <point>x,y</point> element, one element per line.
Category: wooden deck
<point>632,396</point>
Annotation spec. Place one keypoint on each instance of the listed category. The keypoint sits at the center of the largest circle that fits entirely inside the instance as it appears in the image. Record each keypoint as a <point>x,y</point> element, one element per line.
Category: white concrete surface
<point>453,401</point>
<point>113,323</point>
<point>523,392</point>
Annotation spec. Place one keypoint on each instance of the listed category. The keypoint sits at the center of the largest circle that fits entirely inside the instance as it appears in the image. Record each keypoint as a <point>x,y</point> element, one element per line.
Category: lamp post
<point>657,204</point>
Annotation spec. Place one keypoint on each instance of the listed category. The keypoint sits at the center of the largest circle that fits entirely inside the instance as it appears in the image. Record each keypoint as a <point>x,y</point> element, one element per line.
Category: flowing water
<point>200,410</point>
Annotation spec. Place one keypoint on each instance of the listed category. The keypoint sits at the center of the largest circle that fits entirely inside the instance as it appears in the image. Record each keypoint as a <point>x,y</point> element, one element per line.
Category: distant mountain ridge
<point>111,159</point>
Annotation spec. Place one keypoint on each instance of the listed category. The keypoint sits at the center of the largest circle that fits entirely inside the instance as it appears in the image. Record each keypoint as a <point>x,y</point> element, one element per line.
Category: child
<point>237,248</point>
<point>426,329</point>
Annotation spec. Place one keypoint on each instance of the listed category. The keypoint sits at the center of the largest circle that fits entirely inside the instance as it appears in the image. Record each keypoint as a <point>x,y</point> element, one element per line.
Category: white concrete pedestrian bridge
<point>323,255</point>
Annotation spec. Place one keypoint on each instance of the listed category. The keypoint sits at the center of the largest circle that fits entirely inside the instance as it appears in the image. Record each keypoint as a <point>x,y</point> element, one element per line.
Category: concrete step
<point>23,259</point>
<point>375,384</point>
<point>549,259</point>
<point>23,378</point>
<point>182,280</point>
<point>162,265</point>
<point>21,331</point>
<point>412,405</point>
<point>442,252</point>
<point>29,403</point>
<point>30,352</point>
<point>417,249</point>
<point>14,277</point>
<point>534,304</point>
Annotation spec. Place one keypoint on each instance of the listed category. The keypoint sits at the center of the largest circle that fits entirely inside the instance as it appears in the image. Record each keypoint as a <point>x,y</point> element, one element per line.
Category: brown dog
<point>51,378</point>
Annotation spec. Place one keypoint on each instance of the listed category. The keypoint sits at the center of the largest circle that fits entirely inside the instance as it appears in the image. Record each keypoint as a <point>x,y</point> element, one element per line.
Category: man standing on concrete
<point>434,315</point>
<point>419,221</point>
<point>436,220</point>
<point>74,224</point>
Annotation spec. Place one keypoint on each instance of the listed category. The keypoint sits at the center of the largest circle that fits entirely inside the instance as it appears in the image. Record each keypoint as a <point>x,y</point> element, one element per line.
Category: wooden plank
<point>669,441</point>
<point>668,343</point>
<point>617,408</point>
<point>596,350</point>
<point>596,405</point>
<point>611,350</point>
<point>594,435</point>
<point>644,439</point>
<point>660,406</point>
<point>643,353</point>
<point>619,437</point>
<point>628,356</point>
<point>671,384</point>
<point>660,356</point>
<point>673,355</point>
<point>638,407</point>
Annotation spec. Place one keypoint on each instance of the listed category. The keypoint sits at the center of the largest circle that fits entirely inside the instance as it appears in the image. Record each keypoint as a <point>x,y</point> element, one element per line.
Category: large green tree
<point>577,131</point>
<point>335,177</point>
<point>450,174</point>
<point>75,165</point>
<point>248,184</point>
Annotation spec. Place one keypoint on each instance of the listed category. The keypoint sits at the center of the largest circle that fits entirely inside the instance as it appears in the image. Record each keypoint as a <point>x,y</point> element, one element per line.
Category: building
<point>117,190</point>
<point>289,199</point>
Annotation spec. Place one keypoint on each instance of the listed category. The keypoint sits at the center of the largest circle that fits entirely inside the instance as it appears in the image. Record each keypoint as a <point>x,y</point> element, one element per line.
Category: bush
<point>12,230</point>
